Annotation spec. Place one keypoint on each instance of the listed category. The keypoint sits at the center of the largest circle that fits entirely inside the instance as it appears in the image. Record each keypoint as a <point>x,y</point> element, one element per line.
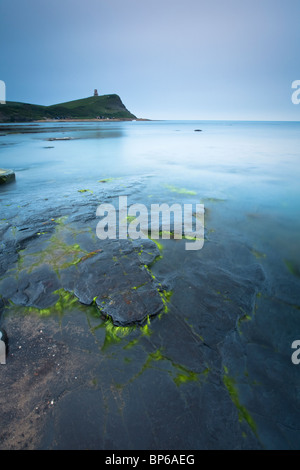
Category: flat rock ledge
<point>114,277</point>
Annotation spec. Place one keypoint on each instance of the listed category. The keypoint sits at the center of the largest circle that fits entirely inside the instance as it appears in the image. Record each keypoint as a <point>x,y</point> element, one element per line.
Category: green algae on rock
<point>111,275</point>
<point>293,268</point>
<point>183,191</point>
<point>243,413</point>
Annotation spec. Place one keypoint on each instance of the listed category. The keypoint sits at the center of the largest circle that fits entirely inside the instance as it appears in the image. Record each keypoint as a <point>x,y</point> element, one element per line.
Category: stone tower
<point>96,92</point>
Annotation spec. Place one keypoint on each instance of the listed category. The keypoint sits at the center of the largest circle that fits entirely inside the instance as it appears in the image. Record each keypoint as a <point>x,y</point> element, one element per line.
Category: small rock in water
<point>51,139</point>
<point>7,176</point>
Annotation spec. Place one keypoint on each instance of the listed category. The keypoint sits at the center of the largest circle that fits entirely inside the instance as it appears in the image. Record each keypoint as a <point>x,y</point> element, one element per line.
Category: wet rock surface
<point>112,277</point>
<point>115,344</point>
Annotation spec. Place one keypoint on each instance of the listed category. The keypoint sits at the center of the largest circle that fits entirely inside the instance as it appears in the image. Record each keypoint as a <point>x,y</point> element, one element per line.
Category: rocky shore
<point>97,341</point>
<point>123,344</point>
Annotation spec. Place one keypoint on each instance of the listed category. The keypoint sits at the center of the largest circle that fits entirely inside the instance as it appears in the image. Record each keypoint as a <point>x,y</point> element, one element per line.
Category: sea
<point>239,294</point>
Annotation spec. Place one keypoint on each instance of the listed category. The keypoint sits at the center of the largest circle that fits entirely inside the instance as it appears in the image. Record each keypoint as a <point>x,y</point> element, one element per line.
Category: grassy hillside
<point>106,106</point>
<point>21,112</point>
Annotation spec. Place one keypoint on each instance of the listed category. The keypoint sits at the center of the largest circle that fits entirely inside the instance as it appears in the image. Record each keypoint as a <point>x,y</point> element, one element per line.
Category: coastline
<point>210,343</point>
<point>77,120</point>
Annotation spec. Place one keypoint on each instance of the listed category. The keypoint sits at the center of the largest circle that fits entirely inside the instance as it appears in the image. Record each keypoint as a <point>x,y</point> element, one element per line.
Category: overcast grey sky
<point>167,59</point>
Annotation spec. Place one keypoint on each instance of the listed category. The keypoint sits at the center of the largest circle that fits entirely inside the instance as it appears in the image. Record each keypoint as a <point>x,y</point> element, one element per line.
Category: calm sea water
<point>247,176</point>
<point>251,168</point>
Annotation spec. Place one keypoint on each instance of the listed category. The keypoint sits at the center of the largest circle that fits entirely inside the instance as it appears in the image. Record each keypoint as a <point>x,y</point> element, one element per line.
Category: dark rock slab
<point>112,274</point>
<point>117,281</point>
<point>132,306</point>
<point>31,289</point>
<point>218,298</point>
<point>147,250</point>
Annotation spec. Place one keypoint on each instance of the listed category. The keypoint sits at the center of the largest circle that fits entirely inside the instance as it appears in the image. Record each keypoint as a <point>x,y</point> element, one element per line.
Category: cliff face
<point>105,107</point>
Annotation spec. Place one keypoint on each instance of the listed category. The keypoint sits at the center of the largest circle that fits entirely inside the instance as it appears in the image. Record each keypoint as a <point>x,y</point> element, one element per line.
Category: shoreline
<point>76,120</point>
<point>92,120</point>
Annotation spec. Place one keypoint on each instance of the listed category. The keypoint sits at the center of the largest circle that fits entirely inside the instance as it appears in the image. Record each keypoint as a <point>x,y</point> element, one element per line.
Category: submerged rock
<point>112,274</point>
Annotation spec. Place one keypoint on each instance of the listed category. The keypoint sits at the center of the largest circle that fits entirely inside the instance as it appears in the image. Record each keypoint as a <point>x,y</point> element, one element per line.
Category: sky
<point>166,59</point>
